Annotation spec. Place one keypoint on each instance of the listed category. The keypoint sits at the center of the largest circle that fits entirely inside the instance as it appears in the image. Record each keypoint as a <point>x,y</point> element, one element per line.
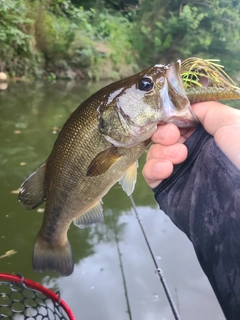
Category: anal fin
<point>129,179</point>
<point>93,215</point>
<point>31,193</point>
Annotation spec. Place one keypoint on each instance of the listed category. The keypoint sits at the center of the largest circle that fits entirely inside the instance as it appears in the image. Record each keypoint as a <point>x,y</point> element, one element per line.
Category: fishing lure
<point>205,80</point>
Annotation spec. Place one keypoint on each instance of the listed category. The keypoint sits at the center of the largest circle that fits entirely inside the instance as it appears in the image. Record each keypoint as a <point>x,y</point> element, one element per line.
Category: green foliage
<point>16,37</point>
<point>64,40</point>
<point>113,38</point>
<point>180,29</point>
<point>102,43</point>
<point>167,34</point>
<point>118,5</point>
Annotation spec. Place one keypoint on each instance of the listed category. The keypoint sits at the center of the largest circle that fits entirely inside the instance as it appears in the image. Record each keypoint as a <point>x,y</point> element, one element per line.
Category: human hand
<point>219,120</point>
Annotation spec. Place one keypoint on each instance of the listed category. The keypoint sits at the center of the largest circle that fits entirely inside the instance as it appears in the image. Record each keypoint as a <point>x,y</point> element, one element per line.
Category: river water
<point>114,276</point>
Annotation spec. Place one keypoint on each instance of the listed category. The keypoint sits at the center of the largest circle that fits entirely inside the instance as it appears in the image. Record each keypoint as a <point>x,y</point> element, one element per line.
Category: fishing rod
<point>158,270</point>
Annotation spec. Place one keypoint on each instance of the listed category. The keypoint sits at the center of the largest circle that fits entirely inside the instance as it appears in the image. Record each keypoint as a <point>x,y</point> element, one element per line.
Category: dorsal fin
<point>31,193</point>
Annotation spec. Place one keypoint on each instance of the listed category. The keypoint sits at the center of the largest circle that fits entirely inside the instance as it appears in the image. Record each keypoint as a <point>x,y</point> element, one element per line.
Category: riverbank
<point>58,39</point>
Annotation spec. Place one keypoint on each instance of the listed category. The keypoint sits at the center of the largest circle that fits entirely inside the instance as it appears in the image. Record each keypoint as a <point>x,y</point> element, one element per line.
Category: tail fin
<point>47,257</point>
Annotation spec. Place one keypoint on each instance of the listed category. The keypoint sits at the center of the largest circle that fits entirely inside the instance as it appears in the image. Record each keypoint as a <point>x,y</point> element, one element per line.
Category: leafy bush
<point>55,38</point>
<point>180,29</point>
<point>16,37</point>
<point>104,44</point>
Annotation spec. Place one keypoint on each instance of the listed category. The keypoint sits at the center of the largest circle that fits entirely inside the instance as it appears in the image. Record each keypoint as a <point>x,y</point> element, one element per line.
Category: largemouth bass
<point>98,146</point>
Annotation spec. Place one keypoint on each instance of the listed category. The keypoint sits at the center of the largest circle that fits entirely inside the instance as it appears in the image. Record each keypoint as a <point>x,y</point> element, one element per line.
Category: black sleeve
<point>202,197</point>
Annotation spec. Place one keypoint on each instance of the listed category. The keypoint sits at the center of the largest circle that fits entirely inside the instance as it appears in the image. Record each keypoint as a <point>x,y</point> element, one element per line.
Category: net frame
<point>26,284</point>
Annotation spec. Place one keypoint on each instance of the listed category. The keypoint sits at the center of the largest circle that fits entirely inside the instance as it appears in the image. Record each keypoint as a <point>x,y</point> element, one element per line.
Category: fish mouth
<point>145,131</point>
<point>137,134</point>
<point>183,122</point>
<point>176,105</point>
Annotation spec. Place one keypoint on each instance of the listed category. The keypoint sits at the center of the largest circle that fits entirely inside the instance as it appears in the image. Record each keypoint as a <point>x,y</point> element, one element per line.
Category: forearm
<point>202,197</point>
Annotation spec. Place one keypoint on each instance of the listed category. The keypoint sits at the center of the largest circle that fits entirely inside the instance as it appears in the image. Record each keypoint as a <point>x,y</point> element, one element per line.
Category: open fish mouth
<point>145,132</point>
<point>176,105</point>
<point>183,122</point>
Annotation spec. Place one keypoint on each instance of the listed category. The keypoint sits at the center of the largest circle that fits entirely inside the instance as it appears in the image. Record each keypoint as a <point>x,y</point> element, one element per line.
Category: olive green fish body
<point>99,145</point>
<point>68,185</point>
<point>73,190</point>
<point>69,191</point>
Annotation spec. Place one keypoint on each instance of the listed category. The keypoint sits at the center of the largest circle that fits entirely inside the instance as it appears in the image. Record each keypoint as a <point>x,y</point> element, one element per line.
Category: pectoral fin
<point>93,215</point>
<point>129,179</point>
<point>31,193</point>
<point>103,161</point>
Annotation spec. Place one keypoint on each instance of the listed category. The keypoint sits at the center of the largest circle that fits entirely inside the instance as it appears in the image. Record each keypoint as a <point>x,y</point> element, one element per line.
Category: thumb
<point>222,122</point>
<point>214,115</point>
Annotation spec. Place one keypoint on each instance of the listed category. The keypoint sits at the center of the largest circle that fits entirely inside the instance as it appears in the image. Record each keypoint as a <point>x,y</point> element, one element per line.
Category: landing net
<point>23,299</point>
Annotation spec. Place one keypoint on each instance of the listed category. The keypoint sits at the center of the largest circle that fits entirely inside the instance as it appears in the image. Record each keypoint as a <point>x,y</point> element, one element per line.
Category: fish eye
<point>145,84</point>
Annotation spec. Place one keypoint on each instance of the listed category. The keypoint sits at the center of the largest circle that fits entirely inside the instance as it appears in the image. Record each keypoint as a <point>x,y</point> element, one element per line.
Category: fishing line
<point>158,270</point>
<point>122,271</point>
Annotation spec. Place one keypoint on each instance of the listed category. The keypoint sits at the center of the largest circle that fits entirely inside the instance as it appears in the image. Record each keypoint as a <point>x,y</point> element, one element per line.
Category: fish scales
<point>68,188</point>
<point>78,135</point>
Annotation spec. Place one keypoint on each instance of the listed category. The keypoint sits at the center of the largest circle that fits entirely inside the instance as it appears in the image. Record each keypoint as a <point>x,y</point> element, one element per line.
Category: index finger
<point>166,134</point>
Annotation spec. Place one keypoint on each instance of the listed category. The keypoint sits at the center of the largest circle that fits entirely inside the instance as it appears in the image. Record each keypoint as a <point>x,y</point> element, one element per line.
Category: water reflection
<point>30,116</point>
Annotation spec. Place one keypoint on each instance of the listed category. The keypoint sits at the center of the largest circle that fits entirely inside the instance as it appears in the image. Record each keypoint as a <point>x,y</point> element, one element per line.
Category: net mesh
<point>19,302</point>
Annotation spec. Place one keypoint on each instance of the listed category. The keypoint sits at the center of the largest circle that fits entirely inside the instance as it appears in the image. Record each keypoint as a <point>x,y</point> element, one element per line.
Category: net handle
<point>34,285</point>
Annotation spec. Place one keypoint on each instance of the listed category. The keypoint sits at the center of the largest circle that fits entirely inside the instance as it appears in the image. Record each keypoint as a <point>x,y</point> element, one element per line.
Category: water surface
<point>114,276</point>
